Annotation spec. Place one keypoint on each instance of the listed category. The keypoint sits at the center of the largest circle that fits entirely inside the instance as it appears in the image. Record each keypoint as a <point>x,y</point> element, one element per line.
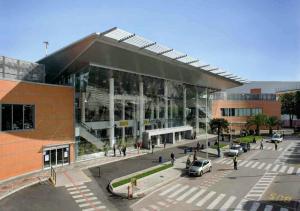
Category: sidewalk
<point>11,186</point>
<point>154,181</point>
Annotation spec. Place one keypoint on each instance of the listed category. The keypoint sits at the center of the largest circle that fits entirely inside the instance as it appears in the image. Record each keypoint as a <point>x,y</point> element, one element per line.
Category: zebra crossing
<point>205,199</point>
<point>284,169</point>
<point>85,199</point>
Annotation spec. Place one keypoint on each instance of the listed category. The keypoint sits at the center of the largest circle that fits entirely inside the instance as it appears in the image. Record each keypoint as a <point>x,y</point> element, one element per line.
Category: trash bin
<point>160,159</point>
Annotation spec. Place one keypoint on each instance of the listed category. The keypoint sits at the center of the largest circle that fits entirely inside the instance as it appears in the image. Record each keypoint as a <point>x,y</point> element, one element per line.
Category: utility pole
<point>206,104</point>
<point>46,47</point>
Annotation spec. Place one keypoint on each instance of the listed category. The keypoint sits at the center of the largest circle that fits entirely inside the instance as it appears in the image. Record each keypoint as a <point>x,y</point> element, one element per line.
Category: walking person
<point>198,146</point>
<point>275,145</point>
<point>114,148</point>
<point>188,162</point>
<point>195,155</point>
<point>235,162</point>
<point>124,150</point>
<point>165,143</point>
<point>153,147</point>
<point>261,145</point>
<point>172,158</point>
<point>120,149</point>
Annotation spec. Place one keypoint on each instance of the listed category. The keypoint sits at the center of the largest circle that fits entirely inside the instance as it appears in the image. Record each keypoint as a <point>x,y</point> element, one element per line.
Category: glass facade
<point>133,98</point>
<point>240,111</point>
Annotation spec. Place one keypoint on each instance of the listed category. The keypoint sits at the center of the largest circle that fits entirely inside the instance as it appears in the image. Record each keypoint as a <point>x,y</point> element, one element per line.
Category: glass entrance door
<point>56,156</point>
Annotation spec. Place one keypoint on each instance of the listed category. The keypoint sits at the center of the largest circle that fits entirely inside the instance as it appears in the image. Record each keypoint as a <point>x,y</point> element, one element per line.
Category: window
<point>17,117</point>
<point>240,111</point>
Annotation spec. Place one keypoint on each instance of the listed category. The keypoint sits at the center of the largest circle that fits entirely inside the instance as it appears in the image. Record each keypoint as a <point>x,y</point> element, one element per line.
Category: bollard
<point>99,171</point>
<point>128,192</point>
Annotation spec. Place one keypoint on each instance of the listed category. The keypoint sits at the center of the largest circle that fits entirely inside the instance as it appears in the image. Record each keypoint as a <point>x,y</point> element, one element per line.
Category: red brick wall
<point>22,151</point>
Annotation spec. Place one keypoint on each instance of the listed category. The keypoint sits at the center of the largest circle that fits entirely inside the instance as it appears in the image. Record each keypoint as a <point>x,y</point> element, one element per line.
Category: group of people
<point>262,145</point>
<point>121,148</point>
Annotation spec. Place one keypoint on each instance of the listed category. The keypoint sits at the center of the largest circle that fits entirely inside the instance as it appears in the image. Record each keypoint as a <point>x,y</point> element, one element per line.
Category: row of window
<point>240,111</point>
<point>17,117</point>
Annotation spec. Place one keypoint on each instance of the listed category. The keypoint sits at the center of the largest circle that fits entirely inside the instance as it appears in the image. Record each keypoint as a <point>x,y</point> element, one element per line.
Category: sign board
<point>66,154</point>
<point>46,157</point>
<point>123,123</point>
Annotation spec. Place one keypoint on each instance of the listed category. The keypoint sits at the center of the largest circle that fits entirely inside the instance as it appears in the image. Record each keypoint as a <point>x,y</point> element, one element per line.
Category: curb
<point>23,187</point>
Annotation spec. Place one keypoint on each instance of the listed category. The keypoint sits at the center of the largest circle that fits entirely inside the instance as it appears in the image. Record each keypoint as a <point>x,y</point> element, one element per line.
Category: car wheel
<point>210,169</point>
<point>201,173</point>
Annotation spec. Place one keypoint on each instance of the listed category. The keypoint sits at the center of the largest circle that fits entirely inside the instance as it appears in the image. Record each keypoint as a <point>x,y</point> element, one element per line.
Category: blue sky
<point>255,39</point>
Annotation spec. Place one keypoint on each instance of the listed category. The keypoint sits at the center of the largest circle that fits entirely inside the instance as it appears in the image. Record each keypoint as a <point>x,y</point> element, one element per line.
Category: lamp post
<point>46,47</point>
<point>206,104</point>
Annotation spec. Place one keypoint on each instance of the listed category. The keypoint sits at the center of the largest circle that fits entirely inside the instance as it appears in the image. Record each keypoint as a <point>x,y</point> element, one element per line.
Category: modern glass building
<point>129,89</point>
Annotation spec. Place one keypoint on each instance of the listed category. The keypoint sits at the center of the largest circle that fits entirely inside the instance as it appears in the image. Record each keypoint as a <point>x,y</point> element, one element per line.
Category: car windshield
<point>276,136</point>
<point>197,163</point>
<point>235,148</point>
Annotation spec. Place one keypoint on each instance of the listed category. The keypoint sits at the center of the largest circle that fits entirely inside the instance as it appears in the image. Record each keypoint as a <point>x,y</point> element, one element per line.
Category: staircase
<point>86,133</point>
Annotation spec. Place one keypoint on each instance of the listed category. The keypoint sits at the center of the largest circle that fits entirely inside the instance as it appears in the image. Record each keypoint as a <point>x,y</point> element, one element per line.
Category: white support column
<point>179,136</point>
<point>184,106</point>
<point>171,113</point>
<point>158,140</point>
<point>173,137</point>
<point>111,113</point>
<point>166,103</point>
<point>152,114</point>
<point>157,108</point>
<point>123,118</point>
<point>135,120</point>
<point>197,113</point>
<point>141,99</point>
<point>83,95</point>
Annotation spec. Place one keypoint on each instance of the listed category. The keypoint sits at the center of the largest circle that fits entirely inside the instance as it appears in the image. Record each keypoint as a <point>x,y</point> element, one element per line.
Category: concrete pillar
<point>166,103</point>
<point>141,117</point>
<point>171,113</point>
<point>157,108</point>
<point>197,112</point>
<point>83,95</point>
<point>152,114</point>
<point>173,138</point>
<point>179,136</point>
<point>158,140</point>
<point>135,120</point>
<point>111,113</point>
<point>123,118</point>
<point>184,106</point>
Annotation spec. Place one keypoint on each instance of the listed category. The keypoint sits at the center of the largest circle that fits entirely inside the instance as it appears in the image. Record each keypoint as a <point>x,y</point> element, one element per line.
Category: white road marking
<point>228,162</point>
<point>275,168</point>
<point>249,163</point>
<point>154,207</point>
<point>195,196</point>
<point>298,171</point>
<point>81,191</point>
<point>268,166</point>
<point>283,168</point>
<point>75,188</point>
<point>89,204</point>
<point>269,148</point>
<point>228,203</point>
<point>268,208</point>
<point>219,161</point>
<point>102,207</point>
<point>144,209</point>
<point>178,191</point>
<point>180,198</point>
<point>206,198</point>
<point>254,206</point>
<point>280,149</point>
<point>243,163</point>
<point>261,165</point>
<point>255,164</point>
<point>216,201</point>
<point>86,199</point>
<point>162,203</point>
<point>290,171</point>
<point>78,196</point>
<point>241,205</point>
<point>169,190</point>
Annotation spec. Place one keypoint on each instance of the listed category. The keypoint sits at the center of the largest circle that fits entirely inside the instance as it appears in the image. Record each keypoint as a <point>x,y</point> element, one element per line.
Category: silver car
<point>235,150</point>
<point>199,167</point>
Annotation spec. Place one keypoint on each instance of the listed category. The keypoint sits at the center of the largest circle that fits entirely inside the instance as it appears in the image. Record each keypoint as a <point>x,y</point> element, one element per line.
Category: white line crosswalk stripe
<point>283,168</point>
<point>268,166</point>
<point>98,208</point>
<point>268,208</point>
<point>76,188</point>
<point>216,202</point>
<point>261,165</point>
<point>205,198</point>
<point>79,191</point>
<point>269,148</point>
<point>254,206</point>
<point>78,196</point>
<point>276,167</point>
<point>280,149</point>
<point>180,198</point>
<point>255,164</point>
<point>228,203</point>
<point>196,196</point>
<point>249,163</point>
<point>178,191</point>
<point>243,163</point>
<point>85,199</point>
<point>169,190</point>
<point>89,204</point>
<point>228,162</point>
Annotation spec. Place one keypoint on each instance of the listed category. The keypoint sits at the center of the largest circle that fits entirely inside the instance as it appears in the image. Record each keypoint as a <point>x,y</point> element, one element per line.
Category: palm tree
<point>272,121</point>
<point>218,124</point>
<point>257,120</point>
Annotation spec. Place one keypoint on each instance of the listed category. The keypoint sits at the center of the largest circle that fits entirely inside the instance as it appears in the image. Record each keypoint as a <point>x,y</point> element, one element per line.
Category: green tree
<point>297,104</point>
<point>288,106</point>
<point>258,121</point>
<point>218,125</point>
<point>272,121</point>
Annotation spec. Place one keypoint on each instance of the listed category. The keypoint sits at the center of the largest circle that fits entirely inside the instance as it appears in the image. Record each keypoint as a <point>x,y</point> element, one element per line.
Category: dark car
<point>245,146</point>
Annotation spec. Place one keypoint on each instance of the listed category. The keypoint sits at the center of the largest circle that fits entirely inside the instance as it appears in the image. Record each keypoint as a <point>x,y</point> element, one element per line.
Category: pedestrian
<point>165,143</point>
<point>235,162</point>
<point>153,147</point>
<point>105,150</point>
<point>248,146</point>
<point>254,140</point>
<point>198,146</point>
<point>275,145</point>
<point>172,158</point>
<point>124,150</point>
<point>195,155</point>
<point>114,148</point>
<point>261,145</point>
<point>188,162</point>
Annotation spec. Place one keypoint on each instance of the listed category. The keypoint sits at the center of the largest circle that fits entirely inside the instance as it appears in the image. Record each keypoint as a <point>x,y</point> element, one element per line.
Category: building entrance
<point>56,156</point>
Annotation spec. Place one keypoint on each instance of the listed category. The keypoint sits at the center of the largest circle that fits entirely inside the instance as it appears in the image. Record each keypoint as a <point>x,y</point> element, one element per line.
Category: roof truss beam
<point>179,57</point>
<point>166,51</point>
<point>126,38</point>
<point>148,45</point>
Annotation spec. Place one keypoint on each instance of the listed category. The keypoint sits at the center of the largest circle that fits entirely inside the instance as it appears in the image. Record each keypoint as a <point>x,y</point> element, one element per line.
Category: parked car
<point>276,137</point>
<point>245,147</point>
<point>199,167</point>
<point>235,150</point>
